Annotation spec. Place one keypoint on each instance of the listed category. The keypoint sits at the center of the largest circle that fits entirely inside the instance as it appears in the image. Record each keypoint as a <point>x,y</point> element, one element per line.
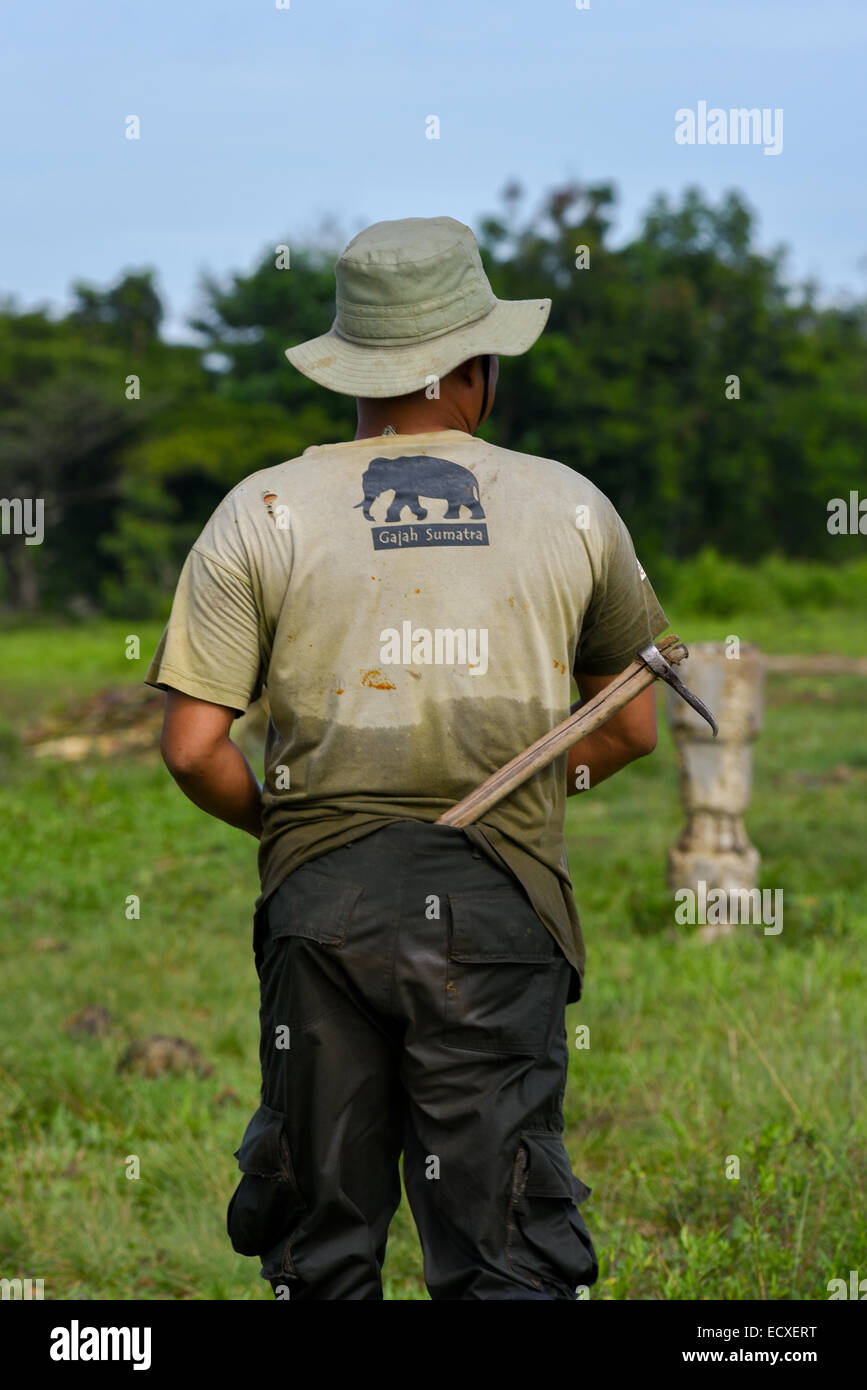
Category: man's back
<point>406,659</point>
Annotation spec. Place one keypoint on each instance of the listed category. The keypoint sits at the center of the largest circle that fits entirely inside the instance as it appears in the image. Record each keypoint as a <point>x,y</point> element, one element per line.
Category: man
<point>415,601</point>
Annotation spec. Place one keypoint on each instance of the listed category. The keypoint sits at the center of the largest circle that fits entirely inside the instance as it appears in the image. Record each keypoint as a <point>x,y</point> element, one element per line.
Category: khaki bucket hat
<point>413,301</point>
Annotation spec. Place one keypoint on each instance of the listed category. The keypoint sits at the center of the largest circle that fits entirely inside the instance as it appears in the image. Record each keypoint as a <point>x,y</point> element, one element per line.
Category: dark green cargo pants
<point>411,1000</point>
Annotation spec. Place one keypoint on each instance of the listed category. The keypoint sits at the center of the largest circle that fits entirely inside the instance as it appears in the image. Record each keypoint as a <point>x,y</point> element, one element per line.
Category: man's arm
<point>208,767</point>
<point>627,735</point>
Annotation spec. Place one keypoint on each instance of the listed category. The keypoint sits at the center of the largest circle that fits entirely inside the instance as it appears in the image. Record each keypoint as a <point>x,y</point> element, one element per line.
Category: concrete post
<point>716,773</point>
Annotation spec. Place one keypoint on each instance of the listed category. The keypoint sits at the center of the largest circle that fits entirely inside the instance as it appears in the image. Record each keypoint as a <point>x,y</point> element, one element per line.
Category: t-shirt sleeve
<point>211,647</point>
<point>623,614</point>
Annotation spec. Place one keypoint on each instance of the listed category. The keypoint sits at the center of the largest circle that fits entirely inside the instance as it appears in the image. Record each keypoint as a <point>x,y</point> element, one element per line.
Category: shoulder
<point>561,489</point>
<point>251,490</point>
<point>538,466</point>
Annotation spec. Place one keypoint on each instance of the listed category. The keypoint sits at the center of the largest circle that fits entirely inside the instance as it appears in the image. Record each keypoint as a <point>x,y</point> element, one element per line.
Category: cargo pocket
<point>305,929</point>
<point>267,1206</point>
<point>546,1238</point>
<point>500,973</point>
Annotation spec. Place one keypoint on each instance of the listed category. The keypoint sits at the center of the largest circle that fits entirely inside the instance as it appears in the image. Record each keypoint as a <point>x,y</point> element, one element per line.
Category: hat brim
<point>512,326</point>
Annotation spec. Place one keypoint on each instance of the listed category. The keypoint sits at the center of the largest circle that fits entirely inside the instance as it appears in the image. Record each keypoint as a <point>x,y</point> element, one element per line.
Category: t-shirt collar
<point>374,441</point>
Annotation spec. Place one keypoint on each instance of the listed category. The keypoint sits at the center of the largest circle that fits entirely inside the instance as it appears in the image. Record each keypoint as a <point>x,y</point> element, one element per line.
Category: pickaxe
<point>651,663</point>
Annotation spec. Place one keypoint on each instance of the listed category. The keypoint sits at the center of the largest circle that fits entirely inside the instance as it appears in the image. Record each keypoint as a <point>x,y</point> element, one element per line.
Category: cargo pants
<point>411,1001</point>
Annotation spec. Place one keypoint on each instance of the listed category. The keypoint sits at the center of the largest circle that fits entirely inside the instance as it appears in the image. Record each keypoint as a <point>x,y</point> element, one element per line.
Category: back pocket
<point>314,905</point>
<point>499,974</point>
<point>301,973</point>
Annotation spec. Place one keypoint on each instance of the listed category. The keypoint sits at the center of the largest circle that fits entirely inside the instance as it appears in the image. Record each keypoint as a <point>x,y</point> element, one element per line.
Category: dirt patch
<point>124,721</point>
<point>114,721</point>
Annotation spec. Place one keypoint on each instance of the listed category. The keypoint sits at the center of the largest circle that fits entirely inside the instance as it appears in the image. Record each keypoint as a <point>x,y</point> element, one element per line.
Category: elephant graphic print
<point>411,477</point>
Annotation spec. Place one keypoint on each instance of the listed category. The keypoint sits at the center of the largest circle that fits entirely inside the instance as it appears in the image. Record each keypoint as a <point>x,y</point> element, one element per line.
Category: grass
<point>751,1049</point>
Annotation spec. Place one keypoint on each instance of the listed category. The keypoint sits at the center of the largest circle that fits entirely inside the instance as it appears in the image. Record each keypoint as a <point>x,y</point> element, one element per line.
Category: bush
<point>720,587</point>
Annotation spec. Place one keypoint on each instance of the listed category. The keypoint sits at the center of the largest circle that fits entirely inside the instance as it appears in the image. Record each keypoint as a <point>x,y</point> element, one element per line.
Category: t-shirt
<point>415,606</point>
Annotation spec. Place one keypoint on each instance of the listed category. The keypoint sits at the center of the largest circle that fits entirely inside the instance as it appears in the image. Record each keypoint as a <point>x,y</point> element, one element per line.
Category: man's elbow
<point>634,741</point>
<point>183,758</point>
<point>193,734</point>
<point>640,745</point>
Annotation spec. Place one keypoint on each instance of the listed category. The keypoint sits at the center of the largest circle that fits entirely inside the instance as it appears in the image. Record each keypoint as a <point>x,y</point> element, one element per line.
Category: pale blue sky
<point>256,123</point>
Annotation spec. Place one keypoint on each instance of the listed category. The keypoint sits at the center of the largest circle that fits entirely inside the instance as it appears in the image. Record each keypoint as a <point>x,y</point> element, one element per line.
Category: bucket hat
<point>413,301</point>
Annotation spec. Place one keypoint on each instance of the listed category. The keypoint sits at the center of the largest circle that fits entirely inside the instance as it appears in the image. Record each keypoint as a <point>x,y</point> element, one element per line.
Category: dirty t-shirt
<point>415,606</point>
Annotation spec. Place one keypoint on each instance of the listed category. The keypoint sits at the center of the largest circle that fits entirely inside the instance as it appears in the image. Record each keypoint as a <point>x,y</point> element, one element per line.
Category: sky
<point>261,120</point>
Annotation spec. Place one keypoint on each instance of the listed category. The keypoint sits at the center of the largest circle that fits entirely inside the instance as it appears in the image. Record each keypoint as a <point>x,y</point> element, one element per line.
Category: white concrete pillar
<point>716,773</point>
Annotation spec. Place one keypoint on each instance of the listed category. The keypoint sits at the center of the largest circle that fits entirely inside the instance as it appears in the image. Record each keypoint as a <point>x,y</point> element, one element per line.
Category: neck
<point>373,416</point>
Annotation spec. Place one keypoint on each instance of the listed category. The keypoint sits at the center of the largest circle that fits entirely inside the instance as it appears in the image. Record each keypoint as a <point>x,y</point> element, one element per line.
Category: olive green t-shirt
<point>415,606</point>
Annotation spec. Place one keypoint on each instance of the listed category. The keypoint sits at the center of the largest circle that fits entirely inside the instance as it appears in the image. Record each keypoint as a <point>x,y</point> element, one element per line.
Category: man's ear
<point>464,371</point>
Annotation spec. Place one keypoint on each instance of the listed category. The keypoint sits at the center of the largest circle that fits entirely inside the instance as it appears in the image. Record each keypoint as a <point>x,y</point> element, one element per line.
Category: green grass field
<point>753,1046</point>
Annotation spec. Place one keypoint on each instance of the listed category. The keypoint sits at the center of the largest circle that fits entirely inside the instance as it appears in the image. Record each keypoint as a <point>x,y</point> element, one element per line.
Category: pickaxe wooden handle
<point>589,717</point>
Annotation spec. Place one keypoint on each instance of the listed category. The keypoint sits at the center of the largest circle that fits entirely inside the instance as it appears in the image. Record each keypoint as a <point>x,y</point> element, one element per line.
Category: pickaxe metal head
<point>652,657</point>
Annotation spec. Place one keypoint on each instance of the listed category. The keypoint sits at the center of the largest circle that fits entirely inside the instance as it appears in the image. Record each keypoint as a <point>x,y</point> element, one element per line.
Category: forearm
<point>224,784</point>
<point>597,756</point>
<point>601,756</point>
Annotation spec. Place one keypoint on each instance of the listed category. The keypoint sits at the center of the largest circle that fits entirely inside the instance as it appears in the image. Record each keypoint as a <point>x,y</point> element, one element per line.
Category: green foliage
<point>128,314</point>
<point>627,385</point>
<point>718,586</point>
<point>69,434</point>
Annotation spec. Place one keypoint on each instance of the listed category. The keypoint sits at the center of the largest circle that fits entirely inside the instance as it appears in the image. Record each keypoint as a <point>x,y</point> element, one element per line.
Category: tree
<point>128,315</point>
